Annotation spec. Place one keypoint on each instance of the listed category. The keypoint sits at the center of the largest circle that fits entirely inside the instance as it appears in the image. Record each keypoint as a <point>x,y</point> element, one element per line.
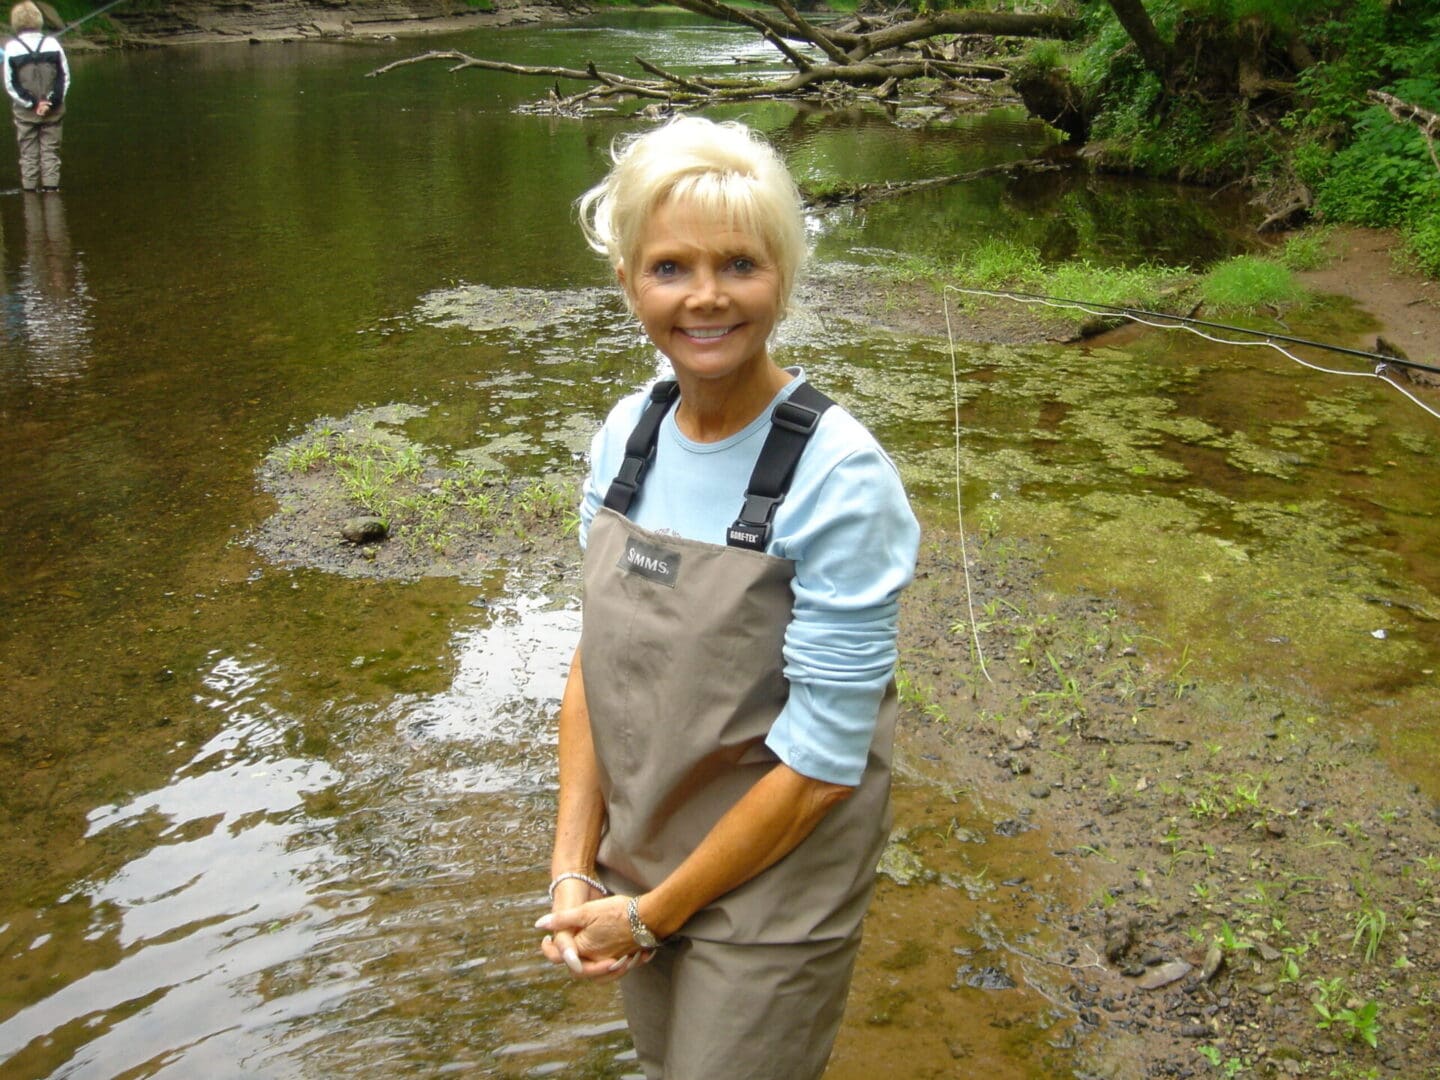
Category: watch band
<point>638,930</point>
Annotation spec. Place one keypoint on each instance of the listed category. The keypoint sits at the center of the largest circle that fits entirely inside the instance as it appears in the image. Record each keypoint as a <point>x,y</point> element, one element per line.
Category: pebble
<point>363,530</point>
<point>1196,1031</point>
<point>1165,974</point>
<point>1214,957</point>
<point>1040,791</point>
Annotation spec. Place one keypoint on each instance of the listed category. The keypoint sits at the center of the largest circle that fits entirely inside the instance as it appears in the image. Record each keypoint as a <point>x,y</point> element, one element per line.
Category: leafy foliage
<point>1324,134</point>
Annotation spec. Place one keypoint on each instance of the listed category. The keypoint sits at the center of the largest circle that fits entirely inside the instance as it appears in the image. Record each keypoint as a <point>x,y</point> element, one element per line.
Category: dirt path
<point>1404,305</point>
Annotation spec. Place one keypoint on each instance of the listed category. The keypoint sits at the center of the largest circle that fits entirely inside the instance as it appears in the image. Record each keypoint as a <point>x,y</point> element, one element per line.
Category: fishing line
<point>1152,319</point>
<point>1182,322</point>
<point>959,511</point>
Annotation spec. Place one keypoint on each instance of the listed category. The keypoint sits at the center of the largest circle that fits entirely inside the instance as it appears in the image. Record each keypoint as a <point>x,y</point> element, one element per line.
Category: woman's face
<point>707,293</point>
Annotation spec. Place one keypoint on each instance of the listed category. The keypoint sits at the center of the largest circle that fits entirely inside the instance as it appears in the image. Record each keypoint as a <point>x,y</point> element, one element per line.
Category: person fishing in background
<point>37,77</point>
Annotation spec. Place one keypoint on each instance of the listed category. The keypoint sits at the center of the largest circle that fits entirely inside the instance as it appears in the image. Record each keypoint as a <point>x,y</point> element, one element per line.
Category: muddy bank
<point>1245,866</point>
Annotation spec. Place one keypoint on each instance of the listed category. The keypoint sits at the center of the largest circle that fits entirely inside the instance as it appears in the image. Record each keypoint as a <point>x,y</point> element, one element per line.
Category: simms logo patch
<point>649,561</point>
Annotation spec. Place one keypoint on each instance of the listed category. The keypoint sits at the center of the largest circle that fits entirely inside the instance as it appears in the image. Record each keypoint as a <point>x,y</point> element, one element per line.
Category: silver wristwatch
<point>638,930</point>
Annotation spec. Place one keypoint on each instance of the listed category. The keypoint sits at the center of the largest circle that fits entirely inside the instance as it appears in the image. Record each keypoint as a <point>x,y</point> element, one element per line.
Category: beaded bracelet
<point>576,875</point>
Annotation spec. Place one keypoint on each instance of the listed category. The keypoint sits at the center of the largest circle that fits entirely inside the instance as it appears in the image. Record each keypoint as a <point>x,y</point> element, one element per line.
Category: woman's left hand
<point>600,930</point>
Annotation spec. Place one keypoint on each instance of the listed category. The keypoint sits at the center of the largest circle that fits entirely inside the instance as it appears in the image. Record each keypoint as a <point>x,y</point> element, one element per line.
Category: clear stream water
<point>274,822</point>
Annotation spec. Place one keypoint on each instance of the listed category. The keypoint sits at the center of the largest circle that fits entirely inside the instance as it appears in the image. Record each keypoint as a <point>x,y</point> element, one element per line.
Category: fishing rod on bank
<point>1163,321</point>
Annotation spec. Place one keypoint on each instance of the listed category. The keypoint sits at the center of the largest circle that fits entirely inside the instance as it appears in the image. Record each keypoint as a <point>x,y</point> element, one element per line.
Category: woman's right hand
<point>589,934</point>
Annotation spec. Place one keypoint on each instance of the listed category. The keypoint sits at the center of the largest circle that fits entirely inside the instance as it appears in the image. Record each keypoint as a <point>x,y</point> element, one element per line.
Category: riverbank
<point>199,22</point>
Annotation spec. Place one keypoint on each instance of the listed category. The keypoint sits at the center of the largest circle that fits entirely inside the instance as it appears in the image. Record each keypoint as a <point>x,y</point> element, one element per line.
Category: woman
<point>725,731</point>
<point>37,76</point>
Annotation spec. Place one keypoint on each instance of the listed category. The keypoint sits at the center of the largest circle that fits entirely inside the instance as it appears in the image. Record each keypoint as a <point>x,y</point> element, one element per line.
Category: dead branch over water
<point>877,55</point>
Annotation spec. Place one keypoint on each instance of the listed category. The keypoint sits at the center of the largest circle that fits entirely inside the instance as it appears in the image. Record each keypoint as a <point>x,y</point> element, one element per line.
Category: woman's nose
<point>706,291</point>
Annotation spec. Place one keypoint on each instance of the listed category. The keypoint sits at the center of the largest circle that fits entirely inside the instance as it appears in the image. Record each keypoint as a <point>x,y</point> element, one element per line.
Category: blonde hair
<point>722,171</point>
<point>25,16</point>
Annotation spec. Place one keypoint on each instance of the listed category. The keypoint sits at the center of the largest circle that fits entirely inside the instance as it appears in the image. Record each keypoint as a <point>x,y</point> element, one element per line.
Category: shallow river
<point>276,822</point>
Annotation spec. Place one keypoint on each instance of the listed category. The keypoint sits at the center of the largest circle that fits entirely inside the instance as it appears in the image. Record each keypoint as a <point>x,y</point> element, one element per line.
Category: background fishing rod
<point>54,18</point>
<point>1141,313</point>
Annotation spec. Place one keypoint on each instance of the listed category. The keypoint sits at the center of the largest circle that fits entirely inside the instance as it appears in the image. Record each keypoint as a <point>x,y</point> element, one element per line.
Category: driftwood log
<point>874,54</point>
<point>1427,121</point>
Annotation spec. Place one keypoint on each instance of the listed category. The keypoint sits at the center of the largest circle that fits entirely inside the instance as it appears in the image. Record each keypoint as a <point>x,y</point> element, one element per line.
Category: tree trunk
<point>1136,22</point>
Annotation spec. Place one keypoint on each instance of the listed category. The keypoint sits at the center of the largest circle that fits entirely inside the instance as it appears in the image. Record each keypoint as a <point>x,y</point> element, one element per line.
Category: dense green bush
<point>1363,166</point>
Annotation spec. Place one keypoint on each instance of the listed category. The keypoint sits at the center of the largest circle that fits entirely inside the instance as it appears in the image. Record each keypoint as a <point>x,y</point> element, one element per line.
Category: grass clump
<point>999,264</point>
<point>1248,283</point>
<point>1123,286</point>
<point>1308,249</point>
<point>425,505</point>
<point>994,264</point>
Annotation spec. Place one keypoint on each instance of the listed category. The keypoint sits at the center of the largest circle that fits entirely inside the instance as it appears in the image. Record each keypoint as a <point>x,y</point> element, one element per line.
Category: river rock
<point>1214,958</point>
<point>364,530</point>
<point>1119,939</point>
<point>986,978</point>
<point>902,865</point>
<point>1165,974</point>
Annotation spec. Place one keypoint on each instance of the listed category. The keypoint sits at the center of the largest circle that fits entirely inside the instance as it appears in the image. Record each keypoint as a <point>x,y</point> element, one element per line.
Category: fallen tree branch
<point>1427,121</point>
<point>862,194</point>
<point>668,76</point>
<point>813,34</point>
<point>683,91</point>
<point>879,55</point>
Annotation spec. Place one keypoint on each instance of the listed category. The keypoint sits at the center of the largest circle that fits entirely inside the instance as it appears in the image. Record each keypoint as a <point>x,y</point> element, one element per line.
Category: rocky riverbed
<point>1260,891</point>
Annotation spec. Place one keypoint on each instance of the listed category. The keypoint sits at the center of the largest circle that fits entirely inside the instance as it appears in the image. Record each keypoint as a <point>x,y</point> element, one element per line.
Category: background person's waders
<point>681,654</point>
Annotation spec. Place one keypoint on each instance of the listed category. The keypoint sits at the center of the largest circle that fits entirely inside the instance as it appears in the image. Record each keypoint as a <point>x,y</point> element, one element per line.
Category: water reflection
<point>48,312</point>
<point>275,909</point>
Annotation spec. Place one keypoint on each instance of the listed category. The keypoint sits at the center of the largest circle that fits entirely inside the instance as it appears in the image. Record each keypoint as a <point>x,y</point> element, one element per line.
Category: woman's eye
<point>743,265</point>
<point>665,268</point>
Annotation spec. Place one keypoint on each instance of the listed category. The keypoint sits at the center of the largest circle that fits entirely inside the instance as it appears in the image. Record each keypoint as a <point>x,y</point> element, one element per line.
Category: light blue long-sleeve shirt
<point>847,526</point>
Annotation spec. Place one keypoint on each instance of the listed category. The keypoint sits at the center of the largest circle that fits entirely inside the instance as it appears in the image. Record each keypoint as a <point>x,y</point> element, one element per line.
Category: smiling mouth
<point>707,332</point>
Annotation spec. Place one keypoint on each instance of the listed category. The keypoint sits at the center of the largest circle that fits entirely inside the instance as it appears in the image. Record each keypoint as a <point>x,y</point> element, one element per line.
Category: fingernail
<point>572,960</point>
<point>618,964</point>
<point>542,923</point>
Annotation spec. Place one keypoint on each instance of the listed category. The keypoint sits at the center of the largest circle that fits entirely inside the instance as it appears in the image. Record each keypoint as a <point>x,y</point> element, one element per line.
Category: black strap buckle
<point>631,472</point>
<point>759,509</point>
<point>796,418</point>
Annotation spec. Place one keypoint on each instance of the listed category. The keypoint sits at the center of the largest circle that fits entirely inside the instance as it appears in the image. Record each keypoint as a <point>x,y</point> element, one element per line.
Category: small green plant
<point>1229,1067</point>
<point>1370,923</point>
<point>1306,250</point>
<point>1230,941</point>
<point>1358,1024</point>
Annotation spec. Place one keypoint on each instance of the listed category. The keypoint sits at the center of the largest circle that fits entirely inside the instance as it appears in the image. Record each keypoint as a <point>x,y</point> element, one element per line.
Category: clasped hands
<point>590,934</point>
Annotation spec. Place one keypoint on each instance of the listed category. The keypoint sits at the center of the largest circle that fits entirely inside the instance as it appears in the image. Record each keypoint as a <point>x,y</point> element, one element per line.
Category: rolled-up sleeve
<point>854,541</point>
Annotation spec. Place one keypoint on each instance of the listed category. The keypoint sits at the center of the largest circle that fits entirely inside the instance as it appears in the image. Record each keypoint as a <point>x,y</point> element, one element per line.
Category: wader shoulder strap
<point>792,423</point>
<point>640,447</point>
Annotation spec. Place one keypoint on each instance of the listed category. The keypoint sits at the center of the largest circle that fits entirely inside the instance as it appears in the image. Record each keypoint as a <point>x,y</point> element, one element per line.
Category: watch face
<point>638,930</point>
